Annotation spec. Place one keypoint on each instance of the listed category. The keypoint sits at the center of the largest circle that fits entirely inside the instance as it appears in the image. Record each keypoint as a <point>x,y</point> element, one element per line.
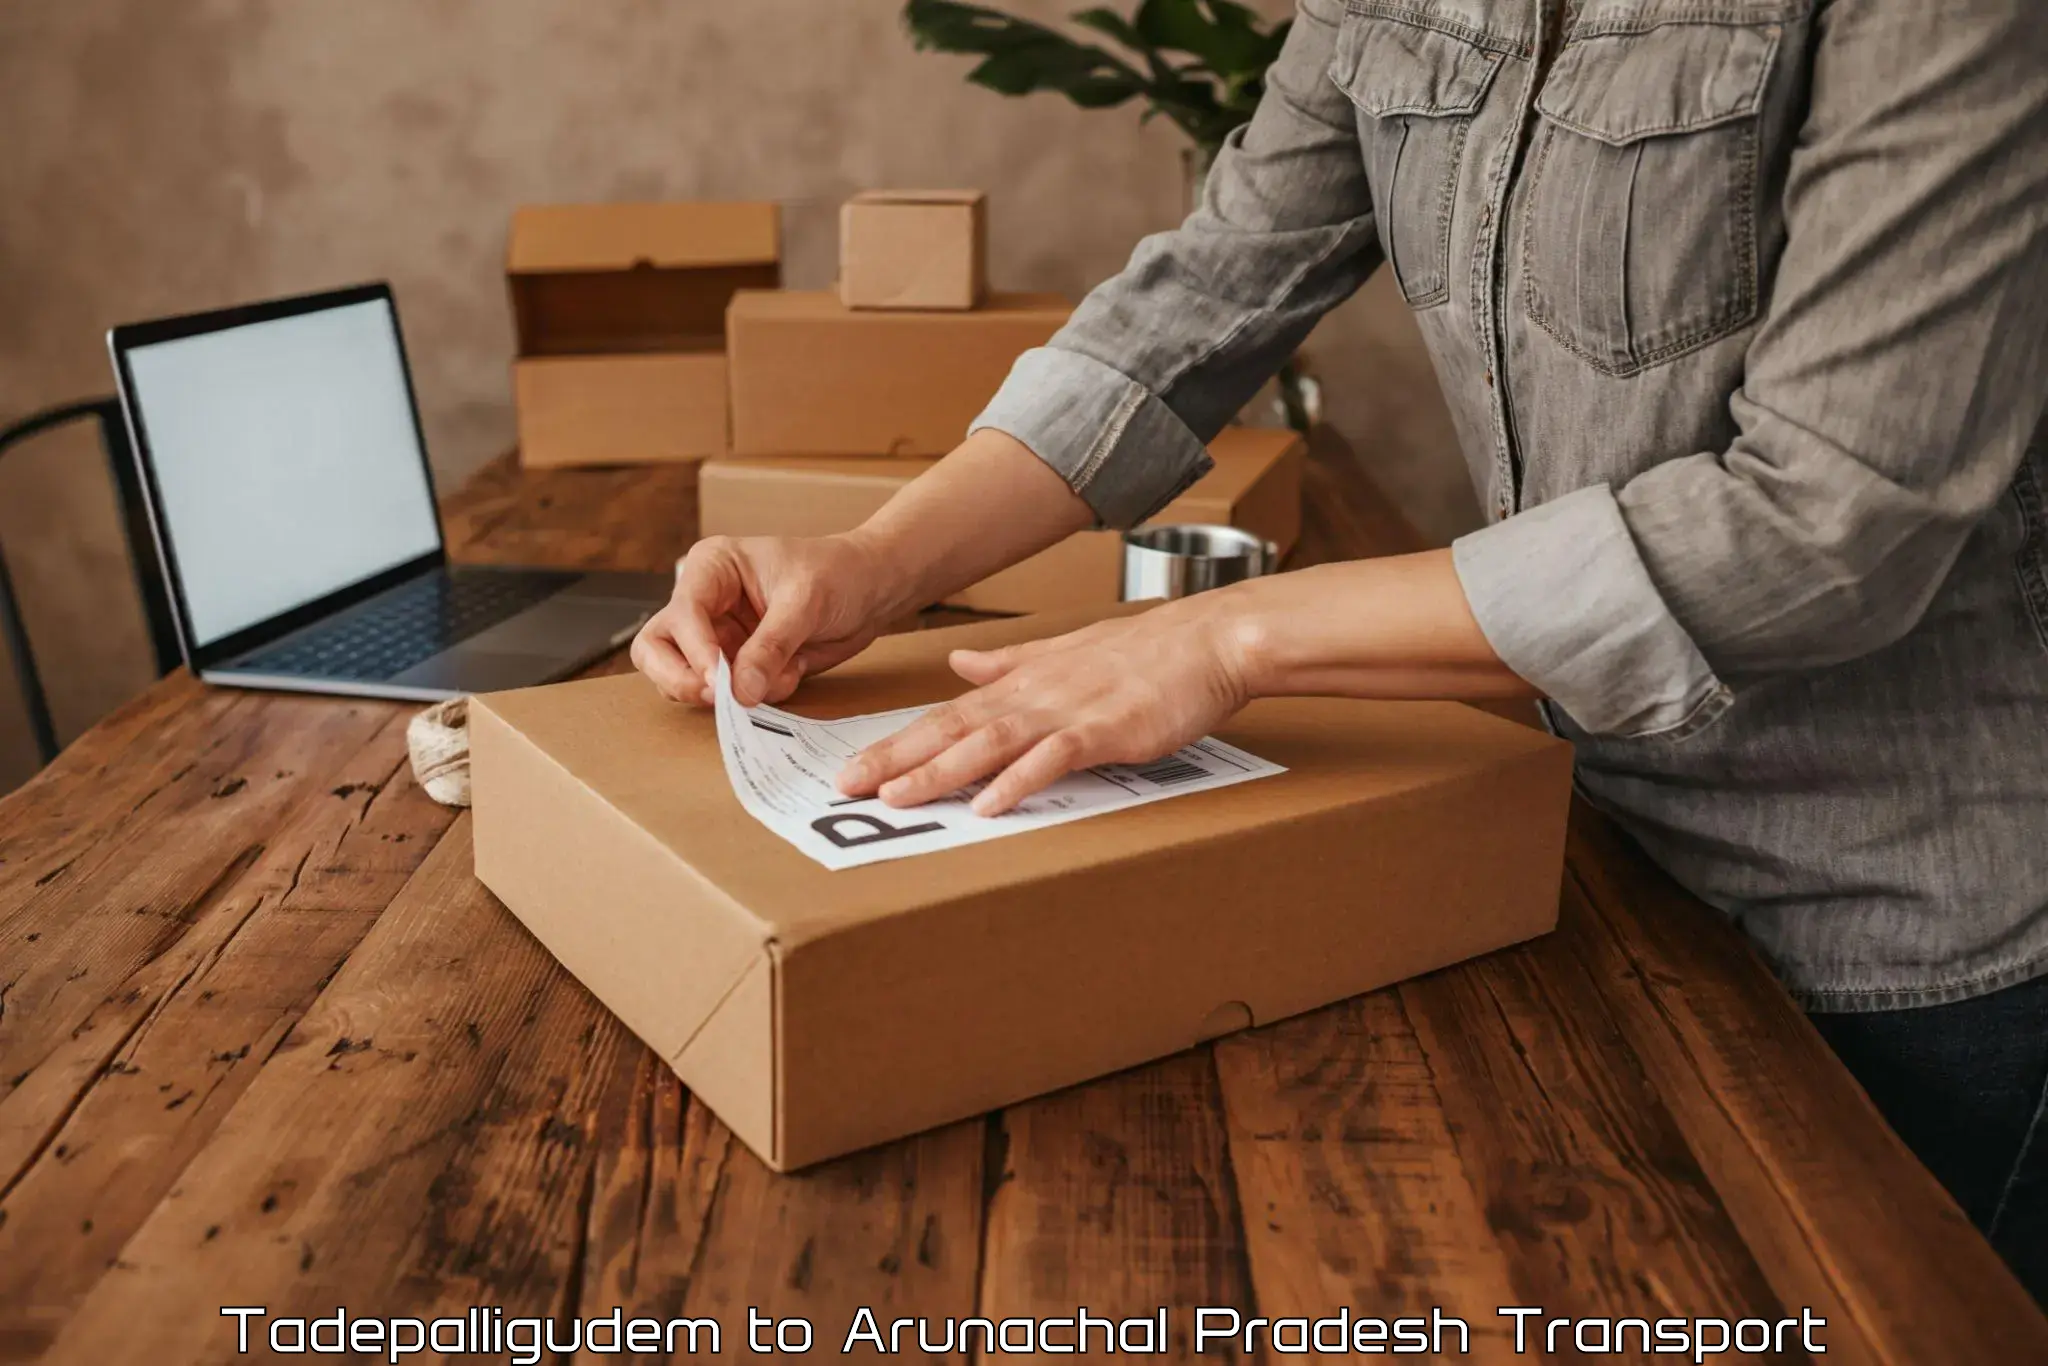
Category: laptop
<point>286,479</point>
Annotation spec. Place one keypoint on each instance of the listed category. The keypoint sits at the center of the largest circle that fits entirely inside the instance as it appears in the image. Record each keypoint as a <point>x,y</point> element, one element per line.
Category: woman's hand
<point>1121,691</point>
<point>779,608</point>
<point>1132,689</point>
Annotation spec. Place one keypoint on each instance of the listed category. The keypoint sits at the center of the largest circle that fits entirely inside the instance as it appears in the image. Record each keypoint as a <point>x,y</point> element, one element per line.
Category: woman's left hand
<point>1121,691</point>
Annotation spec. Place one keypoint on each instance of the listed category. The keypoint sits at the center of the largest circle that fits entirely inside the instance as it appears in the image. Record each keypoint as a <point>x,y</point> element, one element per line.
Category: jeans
<point>1966,1086</point>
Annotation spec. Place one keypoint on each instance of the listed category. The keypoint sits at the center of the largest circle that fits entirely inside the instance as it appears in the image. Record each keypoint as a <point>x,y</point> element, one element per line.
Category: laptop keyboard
<point>411,623</point>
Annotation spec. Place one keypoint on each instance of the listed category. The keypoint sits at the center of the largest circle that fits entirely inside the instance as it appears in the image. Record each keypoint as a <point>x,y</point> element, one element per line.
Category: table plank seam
<point>641,1205</point>
<point>569,1299</point>
<point>1454,1131</point>
<point>995,1172</point>
<point>715,1181</point>
<point>1230,1198</point>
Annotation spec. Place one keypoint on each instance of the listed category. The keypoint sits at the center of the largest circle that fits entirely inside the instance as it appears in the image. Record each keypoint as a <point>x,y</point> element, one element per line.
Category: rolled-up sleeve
<point>1889,396</point>
<point>1124,399</point>
<point>1564,599</point>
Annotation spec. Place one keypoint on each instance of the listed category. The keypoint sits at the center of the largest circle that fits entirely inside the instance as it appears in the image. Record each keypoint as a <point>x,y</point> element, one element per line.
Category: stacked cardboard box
<point>812,377</point>
<point>841,397</point>
<point>914,249</point>
<point>619,311</point>
<point>653,332</point>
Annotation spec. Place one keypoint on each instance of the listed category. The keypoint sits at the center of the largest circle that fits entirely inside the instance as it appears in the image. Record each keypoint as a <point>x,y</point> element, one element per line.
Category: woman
<point>1741,307</point>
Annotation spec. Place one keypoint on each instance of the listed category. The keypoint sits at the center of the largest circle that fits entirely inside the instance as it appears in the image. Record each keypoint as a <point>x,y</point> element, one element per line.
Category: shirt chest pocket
<point>1416,86</point>
<point>1640,223</point>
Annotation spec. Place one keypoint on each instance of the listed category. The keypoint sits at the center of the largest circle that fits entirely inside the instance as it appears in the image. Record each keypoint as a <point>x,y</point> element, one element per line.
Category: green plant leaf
<point>1169,86</point>
<point>1022,72</point>
<point>1021,57</point>
<point>1223,35</point>
<point>1116,26</point>
<point>1205,97</point>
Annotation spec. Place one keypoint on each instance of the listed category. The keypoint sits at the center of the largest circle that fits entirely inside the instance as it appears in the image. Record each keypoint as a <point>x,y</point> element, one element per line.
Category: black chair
<point>149,584</point>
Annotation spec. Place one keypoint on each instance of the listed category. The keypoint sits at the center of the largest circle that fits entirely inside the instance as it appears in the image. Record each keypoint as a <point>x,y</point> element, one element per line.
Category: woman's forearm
<point>983,508</point>
<point>1129,689</point>
<point>1396,627</point>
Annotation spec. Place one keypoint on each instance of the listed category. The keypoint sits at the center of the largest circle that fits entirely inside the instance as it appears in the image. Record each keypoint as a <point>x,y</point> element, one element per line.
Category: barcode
<point>1171,772</point>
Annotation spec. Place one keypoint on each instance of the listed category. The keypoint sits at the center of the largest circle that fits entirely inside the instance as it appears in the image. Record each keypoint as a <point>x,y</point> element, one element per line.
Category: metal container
<point>1174,561</point>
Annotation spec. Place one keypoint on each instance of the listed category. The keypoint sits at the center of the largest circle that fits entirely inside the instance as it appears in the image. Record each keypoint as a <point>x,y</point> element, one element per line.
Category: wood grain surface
<point>264,1040</point>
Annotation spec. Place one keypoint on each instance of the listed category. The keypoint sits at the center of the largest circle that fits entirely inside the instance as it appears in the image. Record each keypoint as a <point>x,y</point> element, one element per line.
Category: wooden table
<point>264,1040</point>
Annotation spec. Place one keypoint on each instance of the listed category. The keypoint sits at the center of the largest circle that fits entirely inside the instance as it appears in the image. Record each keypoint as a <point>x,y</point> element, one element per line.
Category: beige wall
<point>166,155</point>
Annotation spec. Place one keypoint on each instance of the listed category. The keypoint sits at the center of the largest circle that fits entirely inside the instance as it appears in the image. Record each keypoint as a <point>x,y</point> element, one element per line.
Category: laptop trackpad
<point>541,643</point>
<point>467,670</point>
<point>561,625</point>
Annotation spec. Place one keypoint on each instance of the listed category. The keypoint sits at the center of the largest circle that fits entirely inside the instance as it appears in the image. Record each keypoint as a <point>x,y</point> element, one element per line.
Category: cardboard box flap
<point>730,1061</point>
<point>1335,750</point>
<point>606,279</point>
<point>607,237</point>
<point>518,845</point>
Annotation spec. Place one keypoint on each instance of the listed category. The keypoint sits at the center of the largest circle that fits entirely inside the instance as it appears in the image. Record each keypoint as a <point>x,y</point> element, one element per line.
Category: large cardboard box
<point>817,1012</point>
<point>913,249</point>
<point>811,376</point>
<point>1256,485</point>
<point>619,311</point>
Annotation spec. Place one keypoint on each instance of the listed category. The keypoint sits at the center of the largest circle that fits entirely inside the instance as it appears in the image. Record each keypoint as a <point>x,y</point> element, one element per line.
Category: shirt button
<point>1489,379</point>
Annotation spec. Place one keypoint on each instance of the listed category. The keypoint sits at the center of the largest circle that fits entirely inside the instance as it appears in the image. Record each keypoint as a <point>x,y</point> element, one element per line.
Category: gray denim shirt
<point>1741,308</point>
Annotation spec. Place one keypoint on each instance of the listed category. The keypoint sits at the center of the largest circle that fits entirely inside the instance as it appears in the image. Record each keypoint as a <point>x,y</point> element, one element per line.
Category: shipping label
<point>784,769</point>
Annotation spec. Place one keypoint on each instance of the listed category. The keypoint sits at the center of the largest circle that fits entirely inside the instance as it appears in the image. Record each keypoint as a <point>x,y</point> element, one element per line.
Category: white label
<point>784,770</point>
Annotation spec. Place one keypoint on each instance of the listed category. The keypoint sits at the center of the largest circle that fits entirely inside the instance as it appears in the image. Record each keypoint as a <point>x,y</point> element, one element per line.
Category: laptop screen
<point>286,461</point>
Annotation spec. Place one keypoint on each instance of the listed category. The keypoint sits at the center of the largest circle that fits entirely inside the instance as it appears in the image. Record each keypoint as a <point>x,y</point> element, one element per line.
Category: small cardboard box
<point>913,249</point>
<point>818,1012</point>
<point>1256,485</point>
<point>811,376</point>
<point>619,311</point>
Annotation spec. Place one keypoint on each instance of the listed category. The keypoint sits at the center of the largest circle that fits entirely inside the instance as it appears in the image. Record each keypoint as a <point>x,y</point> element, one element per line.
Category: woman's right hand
<point>778,607</point>
<point>781,607</point>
